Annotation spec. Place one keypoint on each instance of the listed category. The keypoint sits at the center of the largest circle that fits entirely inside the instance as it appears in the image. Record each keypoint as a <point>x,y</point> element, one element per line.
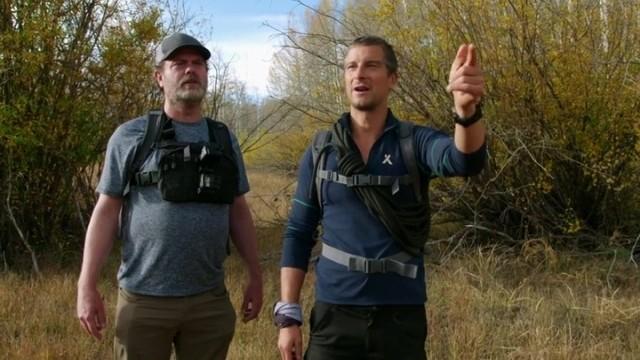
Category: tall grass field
<point>487,303</point>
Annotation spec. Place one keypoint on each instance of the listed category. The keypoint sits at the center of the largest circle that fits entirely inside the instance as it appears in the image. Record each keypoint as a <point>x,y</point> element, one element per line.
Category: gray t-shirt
<point>168,248</point>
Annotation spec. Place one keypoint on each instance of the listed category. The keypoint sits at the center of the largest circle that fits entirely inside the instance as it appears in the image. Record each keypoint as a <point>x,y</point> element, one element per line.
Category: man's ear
<point>159,78</point>
<point>394,79</point>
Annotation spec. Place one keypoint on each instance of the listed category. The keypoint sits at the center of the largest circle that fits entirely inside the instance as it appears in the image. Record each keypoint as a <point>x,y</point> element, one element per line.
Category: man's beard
<point>186,92</point>
<point>190,95</point>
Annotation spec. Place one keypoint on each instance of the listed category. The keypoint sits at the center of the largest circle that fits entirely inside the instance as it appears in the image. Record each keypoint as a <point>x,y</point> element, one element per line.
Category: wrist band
<point>283,321</point>
<point>287,314</point>
<point>466,122</point>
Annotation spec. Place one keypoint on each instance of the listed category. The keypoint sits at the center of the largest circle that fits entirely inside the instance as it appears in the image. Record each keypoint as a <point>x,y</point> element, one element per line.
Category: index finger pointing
<point>461,56</point>
<point>472,56</point>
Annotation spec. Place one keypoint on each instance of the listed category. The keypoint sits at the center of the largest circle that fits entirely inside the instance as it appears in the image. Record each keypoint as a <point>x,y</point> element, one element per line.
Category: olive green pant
<point>197,327</point>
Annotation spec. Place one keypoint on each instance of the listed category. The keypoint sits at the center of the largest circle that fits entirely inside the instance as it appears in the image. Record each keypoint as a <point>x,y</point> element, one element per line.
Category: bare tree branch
<point>25,242</point>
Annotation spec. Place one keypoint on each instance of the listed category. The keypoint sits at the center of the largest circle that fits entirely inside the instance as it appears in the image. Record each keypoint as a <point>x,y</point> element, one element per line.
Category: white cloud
<point>250,60</point>
<point>248,42</point>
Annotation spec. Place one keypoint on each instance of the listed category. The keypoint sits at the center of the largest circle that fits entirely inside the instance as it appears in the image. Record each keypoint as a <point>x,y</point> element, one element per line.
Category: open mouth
<point>361,88</point>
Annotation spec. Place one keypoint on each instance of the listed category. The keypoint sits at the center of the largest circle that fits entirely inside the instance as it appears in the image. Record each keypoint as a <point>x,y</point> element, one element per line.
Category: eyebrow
<point>367,62</point>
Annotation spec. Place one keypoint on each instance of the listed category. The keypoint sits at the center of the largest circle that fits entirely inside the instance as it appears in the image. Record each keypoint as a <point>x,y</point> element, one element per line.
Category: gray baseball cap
<point>176,41</point>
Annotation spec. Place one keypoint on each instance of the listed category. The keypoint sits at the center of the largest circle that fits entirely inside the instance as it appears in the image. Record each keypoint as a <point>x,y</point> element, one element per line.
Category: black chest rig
<point>188,172</point>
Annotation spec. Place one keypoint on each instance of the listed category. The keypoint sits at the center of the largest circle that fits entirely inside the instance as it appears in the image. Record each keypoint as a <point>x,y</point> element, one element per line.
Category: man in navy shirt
<point>370,281</point>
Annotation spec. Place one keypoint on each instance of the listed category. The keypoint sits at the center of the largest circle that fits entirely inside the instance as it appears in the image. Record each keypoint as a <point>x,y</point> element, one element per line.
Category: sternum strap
<point>391,264</point>
<point>363,179</point>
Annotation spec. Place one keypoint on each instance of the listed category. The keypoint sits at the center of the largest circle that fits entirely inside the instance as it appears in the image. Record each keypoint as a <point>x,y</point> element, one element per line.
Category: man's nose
<point>359,71</point>
<point>189,68</point>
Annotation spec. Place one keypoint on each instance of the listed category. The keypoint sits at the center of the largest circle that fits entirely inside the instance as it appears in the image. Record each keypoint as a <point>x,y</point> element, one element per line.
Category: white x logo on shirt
<point>387,159</point>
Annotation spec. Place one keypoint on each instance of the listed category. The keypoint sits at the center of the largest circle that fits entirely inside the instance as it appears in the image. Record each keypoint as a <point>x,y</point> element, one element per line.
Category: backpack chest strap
<point>391,264</point>
<point>363,179</point>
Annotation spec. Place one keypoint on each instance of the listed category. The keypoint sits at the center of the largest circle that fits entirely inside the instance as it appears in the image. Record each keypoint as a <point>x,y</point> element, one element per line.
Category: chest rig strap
<point>166,133</point>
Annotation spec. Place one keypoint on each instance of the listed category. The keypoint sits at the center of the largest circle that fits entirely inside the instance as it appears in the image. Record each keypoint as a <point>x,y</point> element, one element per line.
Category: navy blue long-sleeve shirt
<point>348,225</point>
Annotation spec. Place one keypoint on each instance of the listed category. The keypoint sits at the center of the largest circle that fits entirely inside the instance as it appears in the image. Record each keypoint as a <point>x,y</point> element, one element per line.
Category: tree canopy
<point>563,81</point>
<point>561,109</point>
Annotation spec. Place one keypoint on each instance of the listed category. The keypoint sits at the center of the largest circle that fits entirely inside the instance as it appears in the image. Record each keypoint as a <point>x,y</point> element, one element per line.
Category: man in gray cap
<point>172,190</point>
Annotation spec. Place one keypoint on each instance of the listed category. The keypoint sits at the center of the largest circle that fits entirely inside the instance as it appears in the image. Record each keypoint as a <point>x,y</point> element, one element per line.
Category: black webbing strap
<point>219,134</point>
<point>363,179</point>
<point>321,142</point>
<point>405,135</point>
<point>146,178</point>
<point>151,132</point>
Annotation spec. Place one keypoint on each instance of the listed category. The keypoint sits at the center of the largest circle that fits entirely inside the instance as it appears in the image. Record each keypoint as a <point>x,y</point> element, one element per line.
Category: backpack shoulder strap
<point>405,136</point>
<point>142,151</point>
<point>320,140</point>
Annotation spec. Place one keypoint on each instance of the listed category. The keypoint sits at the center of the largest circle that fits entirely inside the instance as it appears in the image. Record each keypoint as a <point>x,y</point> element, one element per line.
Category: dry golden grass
<point>482,305</point>
<point>489,306</point>
<point>270,195</point>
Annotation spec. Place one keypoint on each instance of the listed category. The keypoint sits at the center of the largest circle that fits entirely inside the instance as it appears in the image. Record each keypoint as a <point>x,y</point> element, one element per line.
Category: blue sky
<point>237,30</point>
